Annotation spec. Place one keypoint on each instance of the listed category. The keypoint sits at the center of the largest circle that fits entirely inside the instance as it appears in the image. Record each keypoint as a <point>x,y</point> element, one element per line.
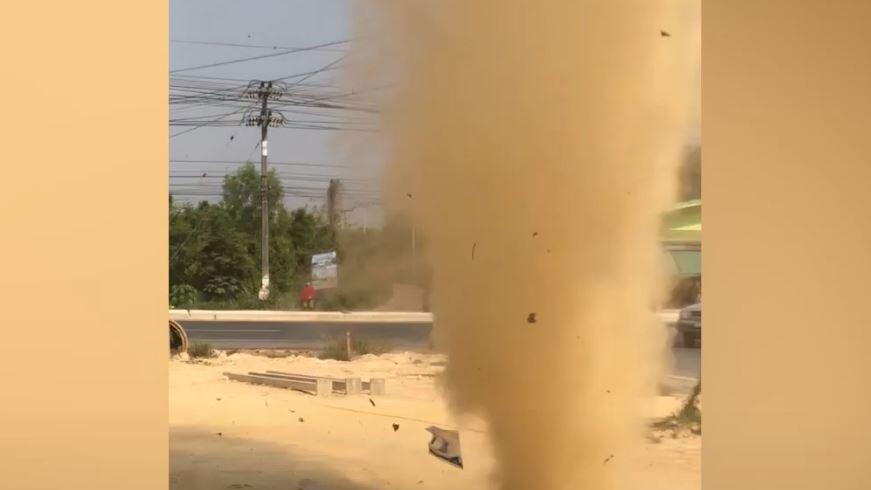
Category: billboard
<point>324,270</point>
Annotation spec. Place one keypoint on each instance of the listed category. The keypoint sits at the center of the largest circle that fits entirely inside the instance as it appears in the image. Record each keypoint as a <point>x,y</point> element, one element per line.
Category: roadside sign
<point>324,270</point>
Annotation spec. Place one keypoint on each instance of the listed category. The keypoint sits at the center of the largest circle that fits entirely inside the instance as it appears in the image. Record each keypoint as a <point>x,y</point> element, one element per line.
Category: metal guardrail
<point>358,317</point>
<point>320,386</point>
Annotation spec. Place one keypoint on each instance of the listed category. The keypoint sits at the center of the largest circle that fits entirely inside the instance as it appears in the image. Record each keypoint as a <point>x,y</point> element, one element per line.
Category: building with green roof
<point>683,223</point>
<point>681,237</point>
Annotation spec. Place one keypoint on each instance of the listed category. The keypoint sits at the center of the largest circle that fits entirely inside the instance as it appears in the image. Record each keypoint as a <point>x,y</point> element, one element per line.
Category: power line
<point>237,162</point>
<point>327,67</point>
<point>259,57</point>
<point>207,122</point>
<point>240,45</point>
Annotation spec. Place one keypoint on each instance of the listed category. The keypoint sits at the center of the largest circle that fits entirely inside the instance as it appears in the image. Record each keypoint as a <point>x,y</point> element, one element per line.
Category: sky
<point>281,23</point>
<point>269,23</point>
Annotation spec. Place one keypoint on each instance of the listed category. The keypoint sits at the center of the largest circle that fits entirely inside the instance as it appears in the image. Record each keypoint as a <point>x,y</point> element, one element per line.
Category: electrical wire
<point>259,57</point>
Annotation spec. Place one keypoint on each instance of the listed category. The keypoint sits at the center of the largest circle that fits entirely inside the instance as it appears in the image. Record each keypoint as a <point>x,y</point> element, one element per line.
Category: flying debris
<point>445,445</point>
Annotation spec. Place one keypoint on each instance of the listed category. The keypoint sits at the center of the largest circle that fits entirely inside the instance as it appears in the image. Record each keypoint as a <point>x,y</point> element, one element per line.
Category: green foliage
<point>689,417</point>
<point>241,196</point>
<point>199,350</point>
<point>182,295</point>
<point>363,347</point>
<point>223,288</point>
<point>215,251</point>
<point>690,412</point>
<point>338,349</point>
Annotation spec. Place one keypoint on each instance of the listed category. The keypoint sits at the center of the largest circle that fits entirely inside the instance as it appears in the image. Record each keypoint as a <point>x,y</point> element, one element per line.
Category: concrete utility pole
<point>413,253</point>
<point>413,242</point>
<point>332,203</point>
<point>264,91</point>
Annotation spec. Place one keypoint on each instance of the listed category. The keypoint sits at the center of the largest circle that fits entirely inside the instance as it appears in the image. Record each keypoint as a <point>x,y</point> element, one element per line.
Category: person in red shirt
<point>307,296</point>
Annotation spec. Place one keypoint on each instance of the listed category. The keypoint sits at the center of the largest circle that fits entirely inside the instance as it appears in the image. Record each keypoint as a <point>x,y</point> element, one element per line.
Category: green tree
<point>183,220</point>
<point>218,261</point>
<point>214,249</point>
<point>241,196</point>
<point>311,234</point>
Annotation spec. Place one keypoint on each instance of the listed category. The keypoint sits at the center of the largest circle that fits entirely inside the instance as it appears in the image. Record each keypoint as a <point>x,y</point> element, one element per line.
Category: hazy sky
<point>283,23</point>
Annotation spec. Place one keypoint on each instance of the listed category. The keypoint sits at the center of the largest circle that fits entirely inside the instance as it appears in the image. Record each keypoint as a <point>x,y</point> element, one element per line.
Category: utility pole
<point>332,203</point>
<point>413,242</point>
<point>264,91</point>
<point>413,254</point>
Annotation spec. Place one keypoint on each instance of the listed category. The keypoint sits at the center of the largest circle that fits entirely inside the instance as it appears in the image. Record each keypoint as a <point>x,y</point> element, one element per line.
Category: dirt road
<point>228,435</point>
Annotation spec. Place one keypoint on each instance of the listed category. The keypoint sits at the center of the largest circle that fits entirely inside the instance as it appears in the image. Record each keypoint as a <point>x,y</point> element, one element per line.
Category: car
<point>689,326</point>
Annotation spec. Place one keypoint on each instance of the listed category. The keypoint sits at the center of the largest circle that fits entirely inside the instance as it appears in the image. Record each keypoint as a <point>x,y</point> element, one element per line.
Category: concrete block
<point>377,386</point>
<point>324,387</point>
<point>353,386</point>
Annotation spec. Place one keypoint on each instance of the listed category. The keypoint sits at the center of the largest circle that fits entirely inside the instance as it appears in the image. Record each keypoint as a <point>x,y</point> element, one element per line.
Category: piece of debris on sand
<point>445,445</point>
<point>310,485</point>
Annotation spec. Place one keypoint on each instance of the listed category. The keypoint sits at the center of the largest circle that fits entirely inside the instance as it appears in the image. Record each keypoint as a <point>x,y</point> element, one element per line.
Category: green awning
<point>683,223</point>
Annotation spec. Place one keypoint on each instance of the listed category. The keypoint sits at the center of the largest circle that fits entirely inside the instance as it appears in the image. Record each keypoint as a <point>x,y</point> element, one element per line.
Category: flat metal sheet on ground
<point>445,445</point>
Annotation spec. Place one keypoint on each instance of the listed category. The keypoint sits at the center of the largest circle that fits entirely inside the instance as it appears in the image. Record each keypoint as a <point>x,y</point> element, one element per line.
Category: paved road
<point>303,334</point>
<point>685,372</point>
<point>685,368</point>
<point>687,362</point>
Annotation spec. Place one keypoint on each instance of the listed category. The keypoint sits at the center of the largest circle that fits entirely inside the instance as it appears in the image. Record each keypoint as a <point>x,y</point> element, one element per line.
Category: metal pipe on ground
<point>178,339</point>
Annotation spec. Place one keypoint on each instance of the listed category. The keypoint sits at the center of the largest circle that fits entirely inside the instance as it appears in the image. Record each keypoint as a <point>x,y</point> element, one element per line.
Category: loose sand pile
<point>226,435</point>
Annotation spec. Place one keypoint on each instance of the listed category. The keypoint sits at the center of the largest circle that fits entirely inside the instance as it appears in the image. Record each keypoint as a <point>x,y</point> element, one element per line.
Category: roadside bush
<point>182,295</point>
<point>363,347</point>
<point>223,288</point>
<point>335,350</point>
<point>338,351</point>
<point>688,418</point>
<point>198,350</point>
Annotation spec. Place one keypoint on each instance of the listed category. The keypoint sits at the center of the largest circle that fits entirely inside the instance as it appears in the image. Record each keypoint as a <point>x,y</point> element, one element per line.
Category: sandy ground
<point>229,435</point>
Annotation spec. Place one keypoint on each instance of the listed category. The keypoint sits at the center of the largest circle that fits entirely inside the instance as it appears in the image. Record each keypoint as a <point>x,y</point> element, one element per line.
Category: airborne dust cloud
<point>535,144</point>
